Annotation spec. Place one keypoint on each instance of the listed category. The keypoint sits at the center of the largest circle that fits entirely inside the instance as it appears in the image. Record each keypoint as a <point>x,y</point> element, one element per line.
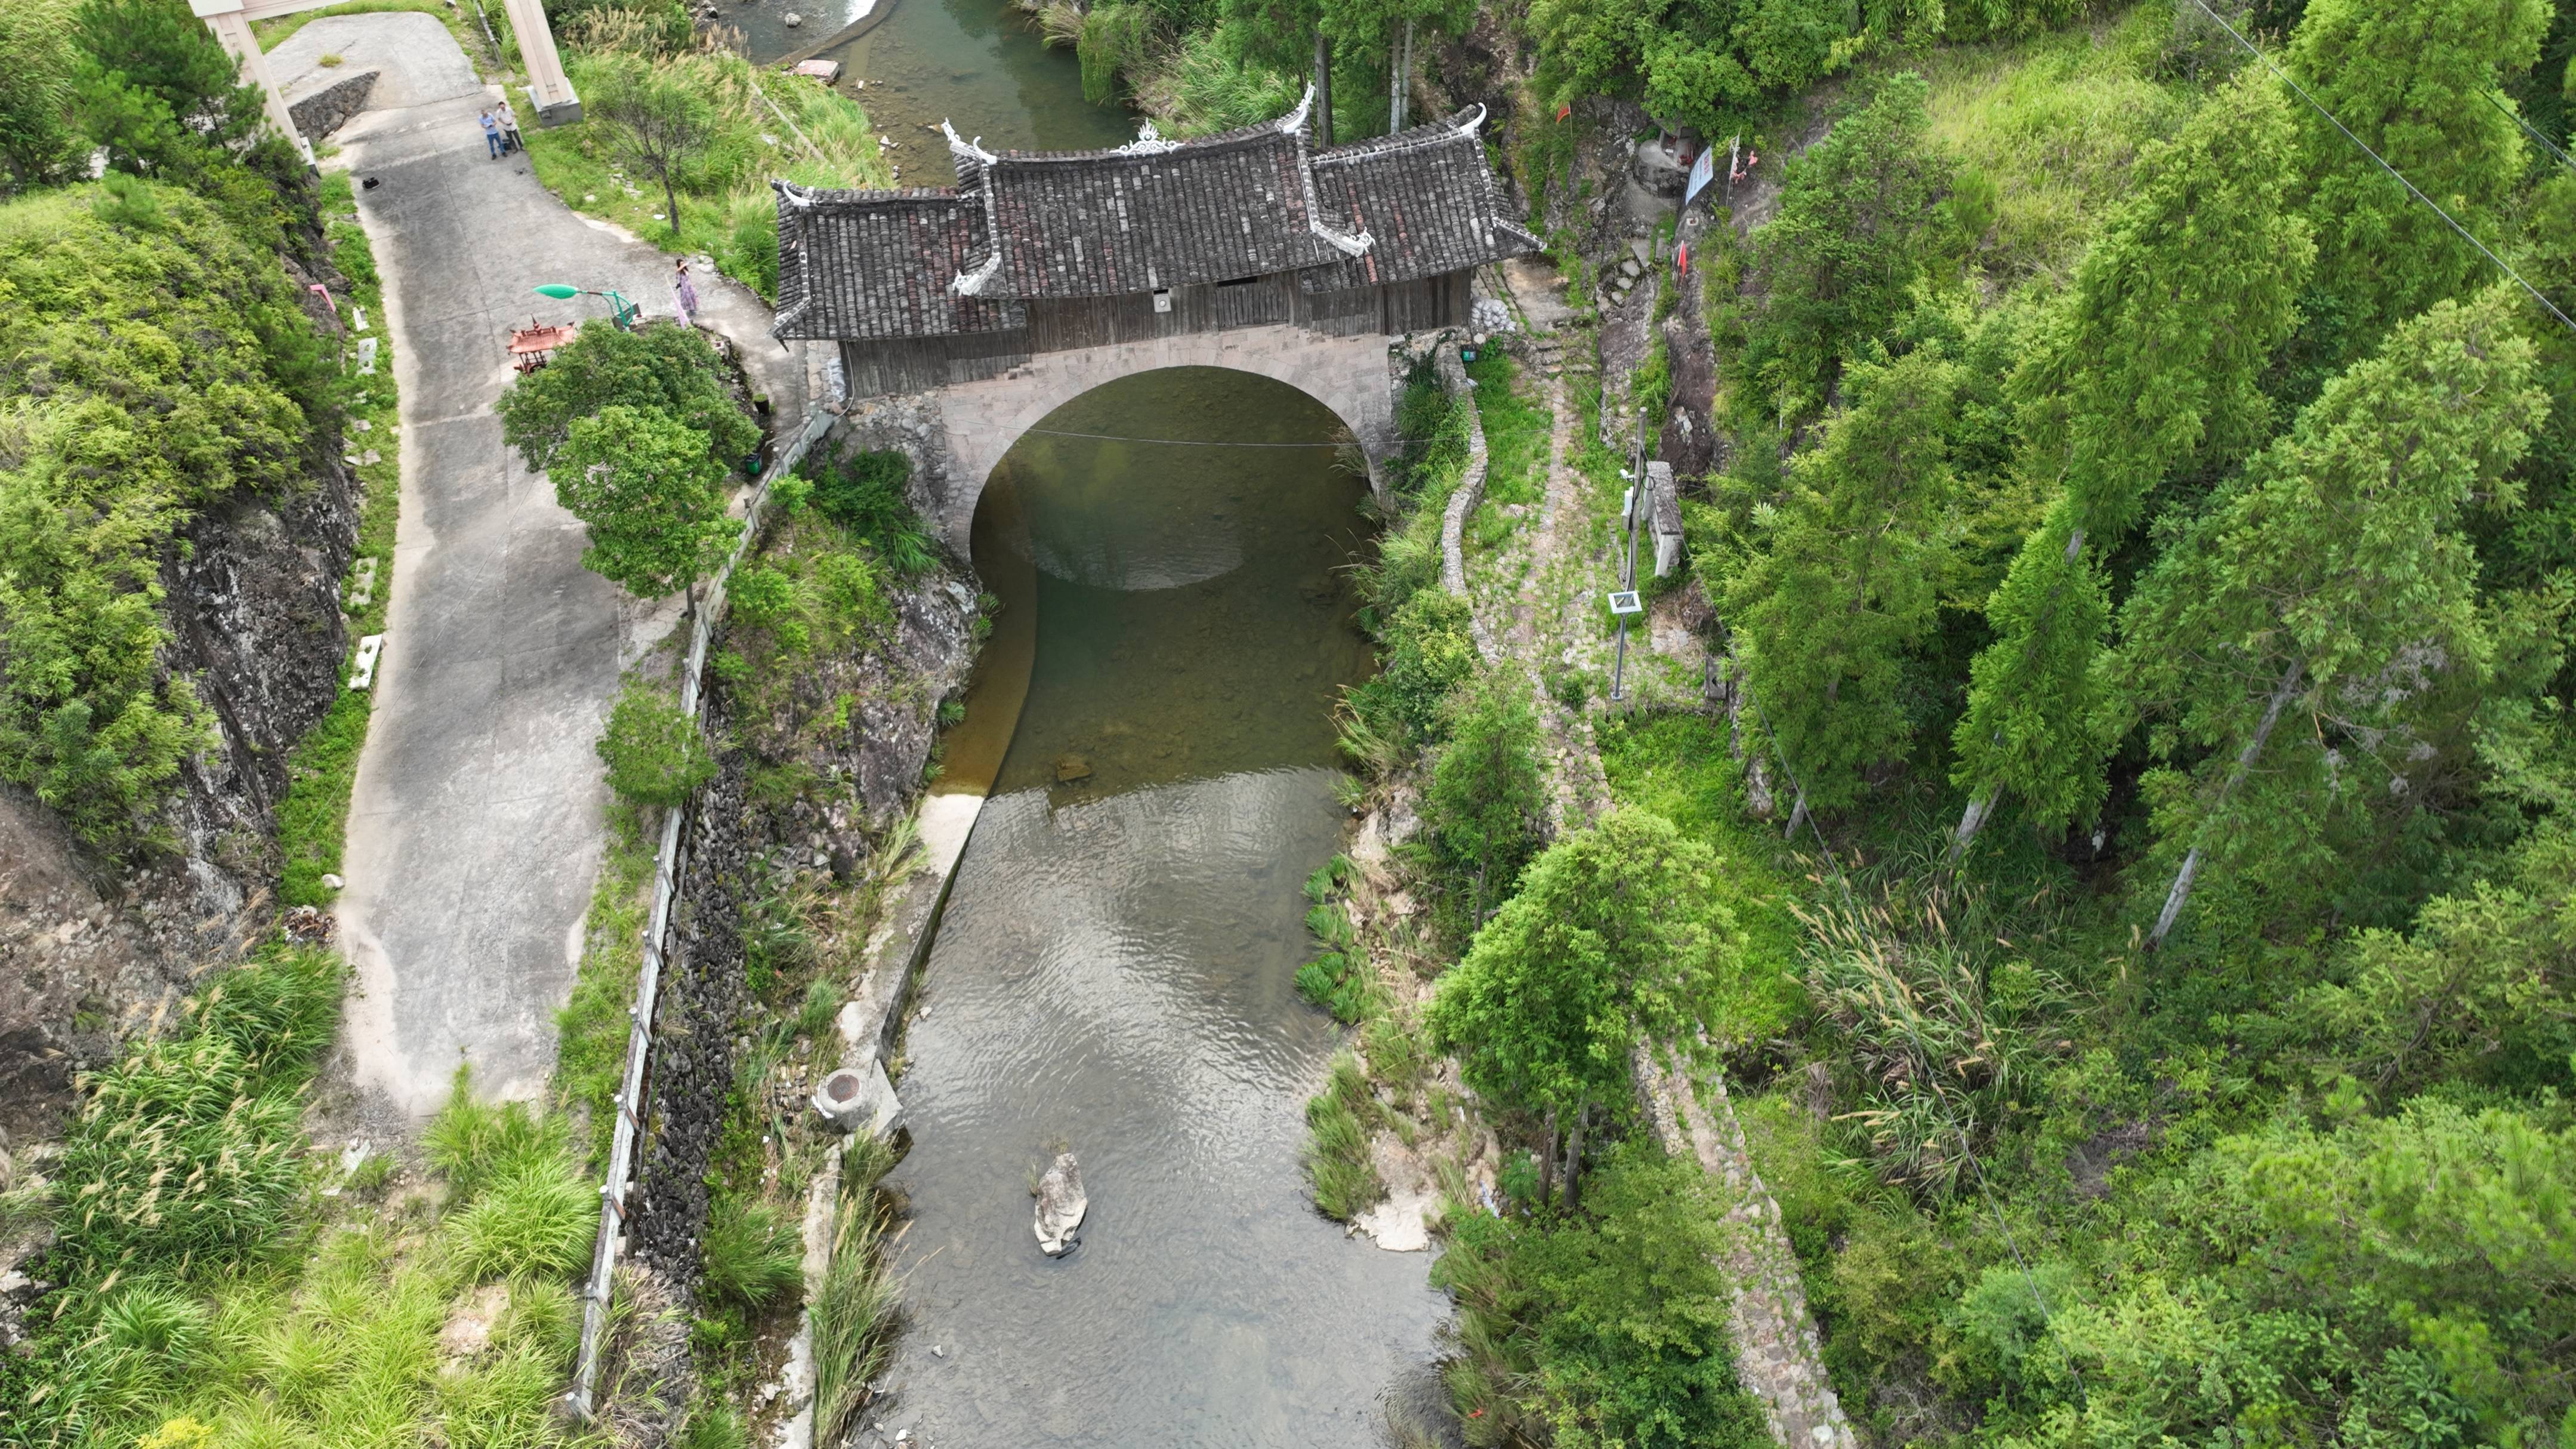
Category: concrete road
<point>475,833</point>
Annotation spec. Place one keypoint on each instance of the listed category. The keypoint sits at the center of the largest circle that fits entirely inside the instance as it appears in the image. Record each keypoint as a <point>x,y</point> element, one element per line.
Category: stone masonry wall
<point>328,109</point>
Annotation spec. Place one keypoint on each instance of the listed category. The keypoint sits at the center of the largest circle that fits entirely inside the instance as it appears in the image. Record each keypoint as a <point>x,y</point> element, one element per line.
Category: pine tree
<point>2412,79</point>
<point>1859,220</point>
<point>2328,586</point>
<point>2149,365</point>
<point>1844,575</point>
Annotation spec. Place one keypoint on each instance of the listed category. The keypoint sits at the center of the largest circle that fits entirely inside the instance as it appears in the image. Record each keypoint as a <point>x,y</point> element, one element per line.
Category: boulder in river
<point>1071,769</point>
<point>1061,1204</point>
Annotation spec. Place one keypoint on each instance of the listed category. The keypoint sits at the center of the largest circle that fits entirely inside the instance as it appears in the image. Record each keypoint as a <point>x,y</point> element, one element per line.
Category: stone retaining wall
<point>328,109</point>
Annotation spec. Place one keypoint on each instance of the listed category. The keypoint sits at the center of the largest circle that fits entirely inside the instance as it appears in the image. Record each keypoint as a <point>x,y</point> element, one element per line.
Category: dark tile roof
<point>1150,214</point>
<point>1426,198</point>
<point>1108,223</point>
<point>874,264</point>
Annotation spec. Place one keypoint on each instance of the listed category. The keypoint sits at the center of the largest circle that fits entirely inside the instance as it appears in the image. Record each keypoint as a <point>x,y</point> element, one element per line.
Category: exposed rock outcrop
<point>93,949</point>
<point>1061,1205</point>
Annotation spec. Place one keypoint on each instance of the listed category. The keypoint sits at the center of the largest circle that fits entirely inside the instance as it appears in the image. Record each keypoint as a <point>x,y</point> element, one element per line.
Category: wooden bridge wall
<point>879,369</point>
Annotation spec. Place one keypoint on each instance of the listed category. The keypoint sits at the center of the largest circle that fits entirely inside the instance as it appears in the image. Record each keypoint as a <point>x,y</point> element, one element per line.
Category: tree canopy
<point>1615,937</point>
<point>651,495</point>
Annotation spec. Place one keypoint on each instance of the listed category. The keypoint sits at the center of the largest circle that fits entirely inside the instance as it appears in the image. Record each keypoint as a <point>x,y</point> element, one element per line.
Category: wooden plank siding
<point>919,364</point>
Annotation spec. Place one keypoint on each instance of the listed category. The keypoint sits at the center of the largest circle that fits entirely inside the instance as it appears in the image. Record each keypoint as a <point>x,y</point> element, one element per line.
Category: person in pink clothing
<point>684,295</point>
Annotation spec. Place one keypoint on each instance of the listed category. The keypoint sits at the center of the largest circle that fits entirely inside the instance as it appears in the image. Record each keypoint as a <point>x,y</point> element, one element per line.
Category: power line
<point>1173,442</point>
<point>2520,120</point>
<point>2411,190</point>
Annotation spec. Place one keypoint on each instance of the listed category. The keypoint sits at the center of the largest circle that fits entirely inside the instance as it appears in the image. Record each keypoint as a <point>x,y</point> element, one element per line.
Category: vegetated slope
<point>2161,511</point>
<point>173,523</point>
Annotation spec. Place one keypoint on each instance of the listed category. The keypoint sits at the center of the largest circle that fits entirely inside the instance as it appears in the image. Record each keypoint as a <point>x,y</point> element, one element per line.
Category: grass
<point>2054,121</point>
<point>1679,766</point>
<point>854,1313</point>
<point>312,821</point>
<point>1337,1148</point>
<point>591,1028</point>
<point>433,1311</point>
<point>1516,431</point>
<point>727,209</point>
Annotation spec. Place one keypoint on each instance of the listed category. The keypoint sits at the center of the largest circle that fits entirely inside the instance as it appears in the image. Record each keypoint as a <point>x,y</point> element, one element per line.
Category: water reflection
<point>979,63</point>
<point>1115,969</point>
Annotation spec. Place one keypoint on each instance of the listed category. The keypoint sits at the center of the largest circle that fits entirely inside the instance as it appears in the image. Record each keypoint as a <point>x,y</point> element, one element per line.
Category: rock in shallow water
<point>1061,1204</point>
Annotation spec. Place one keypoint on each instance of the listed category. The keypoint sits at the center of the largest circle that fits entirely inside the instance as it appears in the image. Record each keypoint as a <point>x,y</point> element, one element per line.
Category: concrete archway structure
<point>983,419</point>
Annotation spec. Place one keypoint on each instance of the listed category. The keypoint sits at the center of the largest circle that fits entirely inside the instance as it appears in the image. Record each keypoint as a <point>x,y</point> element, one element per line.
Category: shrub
<point>160,363</point>
<point>864,493</point>
<point>655,754</point>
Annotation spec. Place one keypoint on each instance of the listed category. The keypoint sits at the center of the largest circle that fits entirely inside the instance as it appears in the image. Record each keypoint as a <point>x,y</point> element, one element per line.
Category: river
<point>1152,725</point>
<point>977,63</point>
<point>1114,970</point>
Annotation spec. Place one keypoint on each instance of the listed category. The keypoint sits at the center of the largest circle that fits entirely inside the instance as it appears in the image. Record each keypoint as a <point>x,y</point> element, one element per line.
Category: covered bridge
<point>1043,275</point>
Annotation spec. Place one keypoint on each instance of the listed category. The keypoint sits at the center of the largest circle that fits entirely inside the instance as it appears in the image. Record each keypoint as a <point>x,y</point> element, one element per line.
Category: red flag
<point>1564,111</point>
<point>1681,260</point>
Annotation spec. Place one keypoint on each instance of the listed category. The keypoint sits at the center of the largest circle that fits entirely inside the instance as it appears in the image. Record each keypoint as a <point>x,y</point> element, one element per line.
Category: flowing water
<point>1114,971</point>
<point>978,63</point>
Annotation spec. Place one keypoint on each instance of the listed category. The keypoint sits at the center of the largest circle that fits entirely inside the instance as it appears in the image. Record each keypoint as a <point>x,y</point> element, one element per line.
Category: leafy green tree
<point>1714,65</point>
<point>658,123</point>
<point>2483,988</point>
<point>655,754</point>
<point>664,367</point>
<point>1845,576</point>
<point>1616,940</point>
<point>1605,1329</point>
<point>1485,803</point>
<point>2412,79</point>
<point>37,67</point>
<point>1859,222</point>
<point>2331,577</point>
<point>2150,364</point>
<point>651,495</point>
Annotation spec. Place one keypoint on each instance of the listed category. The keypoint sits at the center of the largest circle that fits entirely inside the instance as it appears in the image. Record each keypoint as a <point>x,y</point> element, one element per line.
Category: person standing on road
<point>510,130</point>
<point>683,294</point>
<point>491,134</point>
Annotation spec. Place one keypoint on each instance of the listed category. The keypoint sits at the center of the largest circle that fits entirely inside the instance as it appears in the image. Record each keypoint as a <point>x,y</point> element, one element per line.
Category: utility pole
<point>1395,86</point>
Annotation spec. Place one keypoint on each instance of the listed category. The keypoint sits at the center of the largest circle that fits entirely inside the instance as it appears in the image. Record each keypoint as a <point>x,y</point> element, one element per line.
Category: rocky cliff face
<point>92,950</point>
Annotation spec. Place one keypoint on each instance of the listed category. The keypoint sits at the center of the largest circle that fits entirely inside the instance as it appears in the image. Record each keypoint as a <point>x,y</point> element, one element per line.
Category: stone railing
<point>648,982</point>
<point>1777,1352</point>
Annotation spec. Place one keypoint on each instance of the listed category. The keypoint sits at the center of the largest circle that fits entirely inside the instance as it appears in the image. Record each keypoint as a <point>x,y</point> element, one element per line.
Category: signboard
<point>1625,601</point>
<point>1702,172</point>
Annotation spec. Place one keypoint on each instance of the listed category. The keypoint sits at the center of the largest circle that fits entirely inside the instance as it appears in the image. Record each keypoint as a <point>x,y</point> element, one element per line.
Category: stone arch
<point>983,419</point>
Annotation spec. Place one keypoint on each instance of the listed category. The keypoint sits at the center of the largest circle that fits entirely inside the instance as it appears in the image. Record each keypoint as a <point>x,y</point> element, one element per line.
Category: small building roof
<point>1151,214</point>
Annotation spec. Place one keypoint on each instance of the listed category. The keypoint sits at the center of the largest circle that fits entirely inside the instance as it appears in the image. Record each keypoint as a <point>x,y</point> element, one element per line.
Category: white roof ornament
<point>958,146</point>
<point>971,284</point>
<point>1295,121</point>
<point>1148,142</point>
<point>1472,119</point>
<point>795,195</point>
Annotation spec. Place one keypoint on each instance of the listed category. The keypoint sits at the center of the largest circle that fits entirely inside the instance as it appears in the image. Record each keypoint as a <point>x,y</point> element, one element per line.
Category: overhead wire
<point>2411,189</point>
<point>2535,132</point>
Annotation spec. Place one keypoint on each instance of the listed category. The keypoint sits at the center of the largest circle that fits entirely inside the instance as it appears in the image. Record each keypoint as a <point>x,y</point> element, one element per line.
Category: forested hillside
<point>2138,546</point>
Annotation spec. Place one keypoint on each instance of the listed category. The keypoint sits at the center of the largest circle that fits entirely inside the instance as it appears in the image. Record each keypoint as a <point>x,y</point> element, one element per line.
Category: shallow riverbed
<point>1114,972</point>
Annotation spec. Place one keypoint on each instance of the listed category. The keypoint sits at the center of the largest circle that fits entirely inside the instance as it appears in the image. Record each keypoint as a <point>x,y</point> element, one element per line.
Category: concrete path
<point>475,832</point>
